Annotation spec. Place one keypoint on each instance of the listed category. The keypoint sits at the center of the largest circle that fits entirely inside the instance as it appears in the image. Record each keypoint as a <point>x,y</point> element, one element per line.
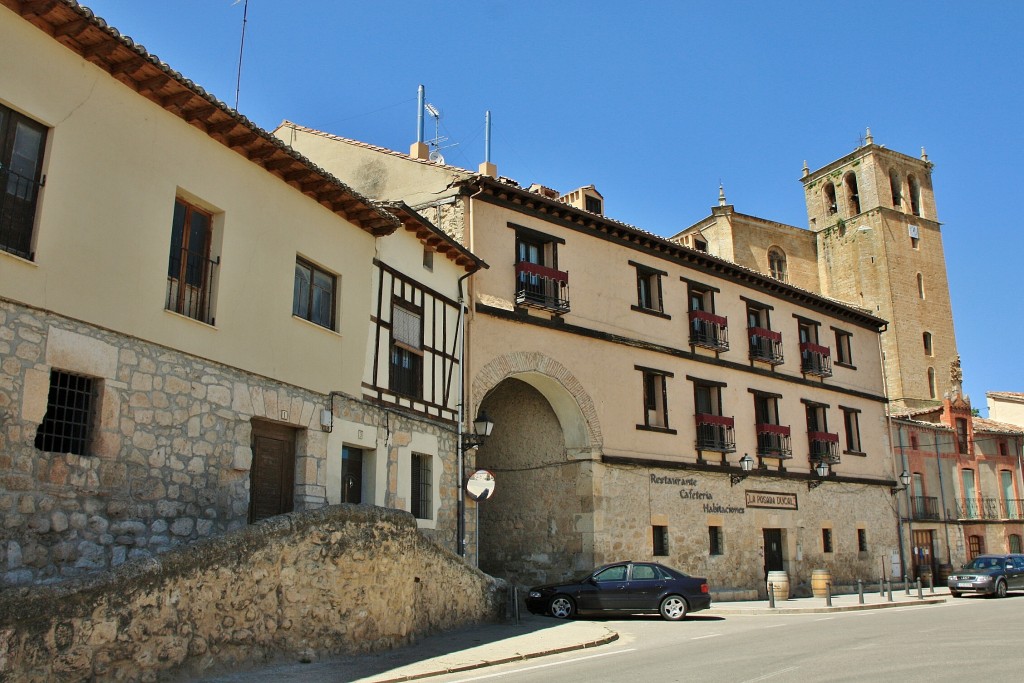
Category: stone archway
<point>539,525</point>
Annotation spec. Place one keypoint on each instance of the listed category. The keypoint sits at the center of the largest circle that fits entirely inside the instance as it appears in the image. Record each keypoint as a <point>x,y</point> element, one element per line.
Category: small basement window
<point>67,425</point>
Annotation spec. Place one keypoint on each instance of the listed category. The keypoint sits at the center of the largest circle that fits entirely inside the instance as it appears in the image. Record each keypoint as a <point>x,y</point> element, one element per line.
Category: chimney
<point>487,168</point>
<point>419,149</point>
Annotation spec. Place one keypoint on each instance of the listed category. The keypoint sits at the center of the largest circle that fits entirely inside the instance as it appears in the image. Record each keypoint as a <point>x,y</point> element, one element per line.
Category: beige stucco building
<point>199,327</point>
<point>628,375</point>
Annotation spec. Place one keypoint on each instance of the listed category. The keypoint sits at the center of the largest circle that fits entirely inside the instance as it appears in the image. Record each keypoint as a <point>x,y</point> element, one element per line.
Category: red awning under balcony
<point>767,334</point>
<point>823,436</point>
<point>816,348</point>
<point>542,271</point>
<point>720,420</point>
<point>719,320</point>
<point>762,428</point>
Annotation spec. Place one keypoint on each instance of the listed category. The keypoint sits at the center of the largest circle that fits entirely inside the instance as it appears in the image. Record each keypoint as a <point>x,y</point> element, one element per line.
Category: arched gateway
<point>539,527</point>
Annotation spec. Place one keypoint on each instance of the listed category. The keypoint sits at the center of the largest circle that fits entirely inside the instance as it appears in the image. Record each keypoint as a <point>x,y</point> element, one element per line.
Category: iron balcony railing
<point>715,433</point>
<point>924,507</point>
<point>17,212</point>
<point>542,287</point>
<point>709,331</point>
<point>189,289</point>
<point>815,359</point>
<point>773,441</point>
<point>824,447</point>
<point>765,345</point>
<point>990,508</point>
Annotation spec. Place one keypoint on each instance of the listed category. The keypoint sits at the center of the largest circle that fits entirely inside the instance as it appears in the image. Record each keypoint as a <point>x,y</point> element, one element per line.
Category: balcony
<point>815,359</point>
<point>542,287</point>
<point>773,441</point>
<point>709,331</point>
<point>17,212</point>
<point>715,433</point>
<point>824,447</point>
<point>765,345</point>
<point>924,507</point>
<point>990,508</point>
<point>190,293</point>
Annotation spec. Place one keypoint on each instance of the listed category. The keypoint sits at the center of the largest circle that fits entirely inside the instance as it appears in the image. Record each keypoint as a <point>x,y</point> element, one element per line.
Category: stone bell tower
<point>880,247</point>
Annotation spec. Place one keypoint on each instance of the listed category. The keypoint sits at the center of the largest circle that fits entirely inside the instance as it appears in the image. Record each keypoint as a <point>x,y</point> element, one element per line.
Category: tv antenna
<point>435,155</point>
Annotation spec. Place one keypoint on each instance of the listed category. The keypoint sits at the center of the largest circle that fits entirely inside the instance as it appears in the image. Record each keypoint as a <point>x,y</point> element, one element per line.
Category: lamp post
<point>746,464</point>
<point>905,481</point>
<point>482,428</point>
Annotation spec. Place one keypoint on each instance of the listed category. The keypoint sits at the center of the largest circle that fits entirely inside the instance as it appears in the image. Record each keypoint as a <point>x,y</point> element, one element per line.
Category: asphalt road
<point>970,639</point>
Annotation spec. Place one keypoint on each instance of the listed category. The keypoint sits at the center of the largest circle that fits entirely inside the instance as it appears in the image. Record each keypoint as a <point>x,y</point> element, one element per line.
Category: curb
<point>822,610</point>
<point>610,637</point>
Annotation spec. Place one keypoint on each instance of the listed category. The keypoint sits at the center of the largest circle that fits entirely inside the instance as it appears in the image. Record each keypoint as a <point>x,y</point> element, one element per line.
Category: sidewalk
<point>485,645</point>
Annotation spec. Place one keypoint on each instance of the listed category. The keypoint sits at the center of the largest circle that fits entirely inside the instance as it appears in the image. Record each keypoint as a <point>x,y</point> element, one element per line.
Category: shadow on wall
<point>337,580</point>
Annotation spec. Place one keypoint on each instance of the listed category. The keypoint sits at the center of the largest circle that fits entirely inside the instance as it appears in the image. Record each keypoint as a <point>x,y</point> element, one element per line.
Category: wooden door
<point>924,551</point>
<point>773,558</point>
<point>272,479</point>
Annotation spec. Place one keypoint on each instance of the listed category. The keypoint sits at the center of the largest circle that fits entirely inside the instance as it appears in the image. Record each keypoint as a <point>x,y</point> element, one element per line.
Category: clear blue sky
<point>656,102</point>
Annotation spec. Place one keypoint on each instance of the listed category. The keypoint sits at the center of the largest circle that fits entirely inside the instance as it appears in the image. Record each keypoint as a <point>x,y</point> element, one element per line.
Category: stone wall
<point>341,579</point>
<point>170,455</point>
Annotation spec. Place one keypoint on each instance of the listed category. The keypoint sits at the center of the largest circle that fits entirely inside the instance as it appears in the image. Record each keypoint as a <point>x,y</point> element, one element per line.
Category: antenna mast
<point>241,47</point>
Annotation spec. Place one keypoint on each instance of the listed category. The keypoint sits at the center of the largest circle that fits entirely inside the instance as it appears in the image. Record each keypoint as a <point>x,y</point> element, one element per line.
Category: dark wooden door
<point>272,479</point>
<point>351,475</point>
<point>924,551</point>
<point>772,551</point>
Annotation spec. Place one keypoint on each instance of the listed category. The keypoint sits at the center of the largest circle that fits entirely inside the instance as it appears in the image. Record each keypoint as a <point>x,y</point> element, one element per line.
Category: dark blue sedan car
<point>623,588</point>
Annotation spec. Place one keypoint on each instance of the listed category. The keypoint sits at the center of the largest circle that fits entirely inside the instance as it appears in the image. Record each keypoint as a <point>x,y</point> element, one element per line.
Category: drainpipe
<point>460,527</point>
<point>899,518</point>
<point>942,493</point>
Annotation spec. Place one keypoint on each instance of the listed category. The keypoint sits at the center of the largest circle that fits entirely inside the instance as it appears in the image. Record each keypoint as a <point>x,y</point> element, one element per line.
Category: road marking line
<point>710,635</point>
<point>824,618</point>
<point>544,666</point>
<point>771,675</point>
<point>776,625</point>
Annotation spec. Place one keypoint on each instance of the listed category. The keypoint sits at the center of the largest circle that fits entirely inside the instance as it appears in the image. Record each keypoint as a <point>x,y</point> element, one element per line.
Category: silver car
<point>990,575</point>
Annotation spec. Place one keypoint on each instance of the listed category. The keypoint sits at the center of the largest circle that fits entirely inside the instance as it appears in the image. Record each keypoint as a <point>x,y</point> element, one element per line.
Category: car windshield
<point>985,563</point>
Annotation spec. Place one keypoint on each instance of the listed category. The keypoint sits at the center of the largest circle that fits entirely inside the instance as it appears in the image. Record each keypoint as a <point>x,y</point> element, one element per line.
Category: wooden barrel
<point>778,582</point>
<point>820,580</point>
<point>944,571</point>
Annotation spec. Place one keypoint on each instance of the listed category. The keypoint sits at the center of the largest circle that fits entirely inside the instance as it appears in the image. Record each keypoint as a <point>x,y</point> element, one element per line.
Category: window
<point>773,439</point>
<point>428,258</point>
<point>190,270</point>
<point>862,540</point>
<point>824,446</point>
<point>844,351</point>
<point>592,204</point>
<point>707,330</point>
<point>714,540</point>
<point>917,484</point>
<point>931,383</point>
<point>913,442</point>
<point>895,189</point>
<point>68,420</point>
<point>420,486</point>
<point>714,431</point>
<point>826,540</point>
<point>700,245</point>
<point>406,376</point>
<point>920,286</point>
<point>660,541</point>
<point>828,194</point>
<point>961,435</point>
<point>313,298</point>
<point>777,264</point>
<point>927,339</point>
<point>851,424</point>
<point>655,399</point>
<point>1009,499</point>
<point>648,289</point>
<point>1014,543</point>
<point>539,283</point>
<point>1003,449</point>
<point>970,506</point>
<point>852,196</point>
<point>765,345</point>
<point>814,358</point>
<point>645,572</point>
<point>22,141</point>
<point>915,195</point>
<point>616,573</point>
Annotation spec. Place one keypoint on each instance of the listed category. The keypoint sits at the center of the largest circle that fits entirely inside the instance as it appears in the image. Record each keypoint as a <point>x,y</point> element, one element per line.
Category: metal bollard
<point>931,583</point>
<point>920,593</point>
<point>906,584</point>
<point>771,595</point>
<point>888,585</point>
<point>881,587</point>
<point>860,591</point>
<point>828,594</point>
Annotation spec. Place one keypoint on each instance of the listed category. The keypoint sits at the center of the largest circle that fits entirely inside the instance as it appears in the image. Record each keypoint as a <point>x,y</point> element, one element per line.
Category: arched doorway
<point>539,525</point>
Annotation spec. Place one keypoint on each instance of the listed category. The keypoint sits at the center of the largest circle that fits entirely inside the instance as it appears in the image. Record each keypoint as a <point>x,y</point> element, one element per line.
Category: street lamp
<point>746,464</point>
<point>821,469</point>
<point>482,428</point>
<point>905,480</point>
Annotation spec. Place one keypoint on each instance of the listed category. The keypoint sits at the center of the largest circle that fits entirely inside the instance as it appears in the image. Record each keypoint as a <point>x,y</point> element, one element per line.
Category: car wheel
<point>673,608</point>
<point>561,607</point>
<point>1000,591</point>
<point>955,594</point>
